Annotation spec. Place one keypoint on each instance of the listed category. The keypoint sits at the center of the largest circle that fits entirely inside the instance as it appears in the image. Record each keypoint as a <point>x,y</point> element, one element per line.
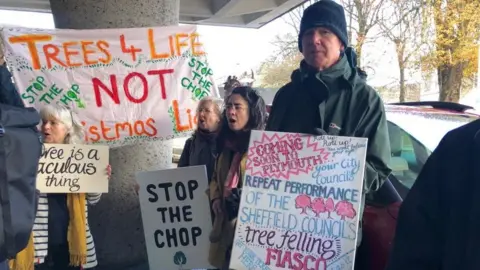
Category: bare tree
<point>362,16</point>
<point>401,23</point>
<point>275,71</point>
<point>287,44</point>
<point>294,17</point>
<point>276,74</point>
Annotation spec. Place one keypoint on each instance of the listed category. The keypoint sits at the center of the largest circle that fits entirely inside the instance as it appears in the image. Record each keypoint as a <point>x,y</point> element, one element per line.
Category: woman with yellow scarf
<point>61,238</point>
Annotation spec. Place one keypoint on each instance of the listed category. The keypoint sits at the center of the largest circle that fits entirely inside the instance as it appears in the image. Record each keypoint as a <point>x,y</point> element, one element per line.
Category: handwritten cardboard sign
<point>300,202</point>
<point>73,168</point>
<point>176,217</point>
<point>125,85</point>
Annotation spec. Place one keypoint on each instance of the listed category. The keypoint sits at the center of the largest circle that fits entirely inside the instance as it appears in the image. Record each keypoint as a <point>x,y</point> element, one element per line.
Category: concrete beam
<point>252,17</point>
<point>192,19</point>
<point>26,5</point>
<point>284,6</point>
<point>223,7</point>
<point>196,9</point>
<point>222,21</point>
<point>235,13</point>
<point>251,6</point>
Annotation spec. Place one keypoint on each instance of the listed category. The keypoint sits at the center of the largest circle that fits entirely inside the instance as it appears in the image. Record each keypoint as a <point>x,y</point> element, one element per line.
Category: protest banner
<point>125,84</point>
<point>176,217</point>
<point>73,168</point>
<point>300,202</point>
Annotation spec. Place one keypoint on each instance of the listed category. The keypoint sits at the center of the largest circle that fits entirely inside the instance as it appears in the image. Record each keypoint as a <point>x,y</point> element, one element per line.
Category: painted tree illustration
<point>329,206</point>
<point>303,202</point>
<point>179,259</point>
<point>318,206</point>
<point>345,209</point>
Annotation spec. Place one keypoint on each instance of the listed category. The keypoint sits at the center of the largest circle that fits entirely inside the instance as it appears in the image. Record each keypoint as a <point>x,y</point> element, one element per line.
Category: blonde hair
<point>75,133</point>
<point>217,104</point>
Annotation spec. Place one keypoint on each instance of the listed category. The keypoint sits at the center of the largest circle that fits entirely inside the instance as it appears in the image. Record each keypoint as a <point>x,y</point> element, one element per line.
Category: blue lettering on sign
<point>279,202</point>
<point>351,164</point>
<point>253,197</point>
<point>327,167</point>
<point>262,182</point>
<point>322,191</point>
<point>265,217</point>
<point>329,228</point>
<point>345,172</point>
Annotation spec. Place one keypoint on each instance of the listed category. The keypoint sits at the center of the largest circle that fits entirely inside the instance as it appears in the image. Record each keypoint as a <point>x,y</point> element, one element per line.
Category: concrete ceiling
<point>239,13</point>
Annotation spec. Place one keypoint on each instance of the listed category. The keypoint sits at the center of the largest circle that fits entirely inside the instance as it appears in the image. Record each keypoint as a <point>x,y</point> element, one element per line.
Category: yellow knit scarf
<point>77,238</point>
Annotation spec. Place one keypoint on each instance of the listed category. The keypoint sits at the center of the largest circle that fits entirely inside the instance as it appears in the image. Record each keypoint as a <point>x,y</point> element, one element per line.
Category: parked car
<point>415,130</point>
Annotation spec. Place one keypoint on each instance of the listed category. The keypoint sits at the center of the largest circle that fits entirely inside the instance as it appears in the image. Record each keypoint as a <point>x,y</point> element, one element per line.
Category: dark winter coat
<point>338,101</point>
<point>199,150</point>
<point>439,221</point>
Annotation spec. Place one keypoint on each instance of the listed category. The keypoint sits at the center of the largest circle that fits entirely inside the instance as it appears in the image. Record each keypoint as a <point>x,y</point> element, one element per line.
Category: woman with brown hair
<point>245,111</point>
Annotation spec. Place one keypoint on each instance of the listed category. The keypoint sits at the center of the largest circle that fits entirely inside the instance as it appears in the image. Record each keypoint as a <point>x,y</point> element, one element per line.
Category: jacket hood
<point>352,60</point>
<point>349,54</point>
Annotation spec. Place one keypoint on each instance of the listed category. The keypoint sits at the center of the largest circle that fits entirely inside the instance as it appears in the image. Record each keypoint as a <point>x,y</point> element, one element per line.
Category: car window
<point>408,155</point>
<point>428,128</point>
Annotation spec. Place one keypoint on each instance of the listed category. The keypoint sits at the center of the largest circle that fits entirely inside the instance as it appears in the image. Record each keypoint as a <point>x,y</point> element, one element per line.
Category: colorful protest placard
<point>73,168</point>
<point>125,84</point>
<point>300,202</point>
<point>176,217</point>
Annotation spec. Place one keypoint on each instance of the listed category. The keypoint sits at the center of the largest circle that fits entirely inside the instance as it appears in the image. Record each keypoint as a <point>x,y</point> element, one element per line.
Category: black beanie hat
<point>324,13</point>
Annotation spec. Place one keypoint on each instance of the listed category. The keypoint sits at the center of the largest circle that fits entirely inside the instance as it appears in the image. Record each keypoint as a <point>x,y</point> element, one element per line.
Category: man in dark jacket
<point>8,95</point>
<point>329,94</point>
<point>439,221</point>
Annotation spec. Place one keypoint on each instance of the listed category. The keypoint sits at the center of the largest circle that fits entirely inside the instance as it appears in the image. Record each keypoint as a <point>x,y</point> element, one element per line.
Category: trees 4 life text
<point>131,86</point>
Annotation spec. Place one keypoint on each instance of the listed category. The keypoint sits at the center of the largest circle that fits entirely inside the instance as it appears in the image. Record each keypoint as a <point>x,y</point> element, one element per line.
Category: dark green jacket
<point>342,105</point>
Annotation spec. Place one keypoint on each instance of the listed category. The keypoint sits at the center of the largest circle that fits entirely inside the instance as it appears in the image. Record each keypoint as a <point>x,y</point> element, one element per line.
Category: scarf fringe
<point>78,260</point>
<point>77,238</point>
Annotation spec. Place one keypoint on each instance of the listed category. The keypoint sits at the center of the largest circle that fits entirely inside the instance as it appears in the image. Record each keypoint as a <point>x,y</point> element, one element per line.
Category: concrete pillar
<point>116,221</point>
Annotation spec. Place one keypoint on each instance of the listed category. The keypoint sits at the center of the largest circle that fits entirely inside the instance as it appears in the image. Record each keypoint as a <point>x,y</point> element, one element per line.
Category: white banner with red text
<point>125,84</point>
